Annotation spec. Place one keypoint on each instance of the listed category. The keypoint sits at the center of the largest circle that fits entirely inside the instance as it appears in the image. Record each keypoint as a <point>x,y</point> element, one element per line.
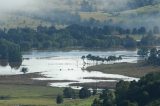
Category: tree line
<point>71,36</point>
<point>10,53</point>
<point>101,59</point>
<point>145,92</point>
<point>72,94</point>
<point>152,56</point>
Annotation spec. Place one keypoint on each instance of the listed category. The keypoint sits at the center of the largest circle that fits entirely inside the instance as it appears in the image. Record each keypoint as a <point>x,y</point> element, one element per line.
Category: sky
<point>12,5</point>
<point>9,5</point>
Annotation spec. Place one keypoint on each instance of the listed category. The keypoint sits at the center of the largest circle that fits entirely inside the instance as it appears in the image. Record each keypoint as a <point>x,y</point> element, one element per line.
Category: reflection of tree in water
<point>3,62</point>
<point>14,65</point>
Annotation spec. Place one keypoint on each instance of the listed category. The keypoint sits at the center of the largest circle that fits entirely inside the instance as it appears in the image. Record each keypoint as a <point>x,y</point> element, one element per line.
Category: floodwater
<point>60,65</point>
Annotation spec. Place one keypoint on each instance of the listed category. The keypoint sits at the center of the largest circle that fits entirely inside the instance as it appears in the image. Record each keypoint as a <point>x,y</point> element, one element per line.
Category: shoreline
<point>82,49</point>
<point>28,79</point>
<point>95,85</point>
<point>135,70</point>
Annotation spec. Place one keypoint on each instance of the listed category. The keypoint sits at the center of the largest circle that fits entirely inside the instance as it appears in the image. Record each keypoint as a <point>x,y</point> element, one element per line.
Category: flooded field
<point>68,65</point>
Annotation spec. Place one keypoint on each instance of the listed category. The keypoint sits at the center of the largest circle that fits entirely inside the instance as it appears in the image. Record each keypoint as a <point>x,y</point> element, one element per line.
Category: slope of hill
<point>135,17</point>
<point>69,10</point>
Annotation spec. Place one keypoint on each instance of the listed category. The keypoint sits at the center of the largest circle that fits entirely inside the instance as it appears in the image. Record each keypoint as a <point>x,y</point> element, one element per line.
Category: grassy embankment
<point>136,70</point>
<point>128,69</point>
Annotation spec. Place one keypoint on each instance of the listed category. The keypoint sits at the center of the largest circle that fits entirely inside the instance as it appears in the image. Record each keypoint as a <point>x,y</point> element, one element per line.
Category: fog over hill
<point>40,11</point>
<point>35,5</point>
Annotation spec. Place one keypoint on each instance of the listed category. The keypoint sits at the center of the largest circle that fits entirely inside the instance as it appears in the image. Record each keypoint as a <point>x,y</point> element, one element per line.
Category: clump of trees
<point>152,55</point>
<point>78,36</point>
<point>70,93</point>
<point>145,91</point>
<point>71,36</point>
<point>10,53</point>
<point>102,59</point>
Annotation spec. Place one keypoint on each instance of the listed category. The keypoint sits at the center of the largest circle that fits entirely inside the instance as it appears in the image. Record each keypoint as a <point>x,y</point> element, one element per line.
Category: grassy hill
<point>133,17</point>
<point>139,16</point>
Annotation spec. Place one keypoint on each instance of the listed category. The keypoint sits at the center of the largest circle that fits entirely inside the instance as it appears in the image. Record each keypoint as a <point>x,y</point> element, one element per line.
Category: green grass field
<point>26,95</point>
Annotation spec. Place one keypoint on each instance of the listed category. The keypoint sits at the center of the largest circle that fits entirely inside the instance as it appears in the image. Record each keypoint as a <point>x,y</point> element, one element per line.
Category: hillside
<point>70,12</point>
<point>136,17</point>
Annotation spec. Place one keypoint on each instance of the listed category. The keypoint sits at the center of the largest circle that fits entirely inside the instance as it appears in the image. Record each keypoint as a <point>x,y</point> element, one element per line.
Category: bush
<point>84,93</point>
<point>59,99</point>
<point>94,92</point>
<point>69,93</point>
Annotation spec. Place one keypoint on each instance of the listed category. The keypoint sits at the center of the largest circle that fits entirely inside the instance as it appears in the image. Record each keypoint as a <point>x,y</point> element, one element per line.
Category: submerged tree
<point>24,70</point>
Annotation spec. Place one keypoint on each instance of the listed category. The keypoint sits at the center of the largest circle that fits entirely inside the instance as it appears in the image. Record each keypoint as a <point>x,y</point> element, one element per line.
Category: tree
<point>83,57</point>
<point>108,97</point>
<point>59,99</point>
<point>84,93</point>
<point>143,51</point>
<point>94,91</point>
<point>24,70</point>
<point>121,91</point>
<point>69,93</point>
<point>156,30</point>
<point>129,42</point>
<point>96,102</point>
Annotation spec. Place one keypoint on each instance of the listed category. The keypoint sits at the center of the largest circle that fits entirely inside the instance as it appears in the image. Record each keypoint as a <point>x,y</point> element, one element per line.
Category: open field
<point>27,95</point>
<point>128,69</point>
<point>22,90</point>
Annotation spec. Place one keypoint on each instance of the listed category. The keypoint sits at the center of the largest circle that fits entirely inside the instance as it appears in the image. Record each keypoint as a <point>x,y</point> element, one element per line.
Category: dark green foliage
<point>69,93</point>
<point>94,92</point>
<point>84,93</point>
<point>59,99</point>
<point>25,46</point>
<point>71,36</point>
<point>122,88</point>
<point>24,70</point>
<point>108,98</point>
<point>149,40</point>
<point>143,51</point>
<point>152,56</point>
<point>129,42</point>
<point>102,59</point>
<point>96,102</point>
<point>128,103</point>
<point>10,51</point>
<point>145,92</point>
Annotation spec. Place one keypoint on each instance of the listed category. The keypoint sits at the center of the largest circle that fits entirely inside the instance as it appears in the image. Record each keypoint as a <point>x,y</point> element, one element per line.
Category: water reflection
<point>3,62</point>
<point>65,65</point>
<point>13,65</point>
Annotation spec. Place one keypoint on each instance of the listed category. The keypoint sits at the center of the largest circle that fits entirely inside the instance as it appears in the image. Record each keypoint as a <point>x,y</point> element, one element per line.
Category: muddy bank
<point>102,78</point>
<point>100,85</point>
